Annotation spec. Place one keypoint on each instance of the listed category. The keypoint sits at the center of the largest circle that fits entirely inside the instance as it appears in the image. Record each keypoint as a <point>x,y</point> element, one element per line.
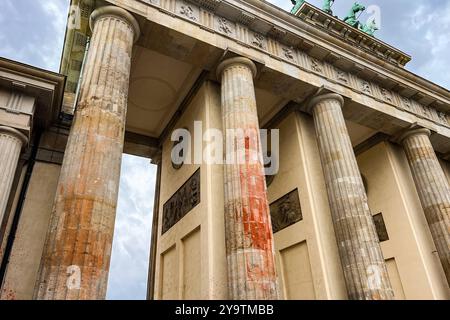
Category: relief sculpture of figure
<point>195,192</point>
<point>288,213</point>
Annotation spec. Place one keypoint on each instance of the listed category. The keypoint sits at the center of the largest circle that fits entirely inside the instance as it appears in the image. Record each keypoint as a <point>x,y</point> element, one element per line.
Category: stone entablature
<point>338,28</point>
<point>29,97</point>
<point>16,109</point>
<point>286,44</point>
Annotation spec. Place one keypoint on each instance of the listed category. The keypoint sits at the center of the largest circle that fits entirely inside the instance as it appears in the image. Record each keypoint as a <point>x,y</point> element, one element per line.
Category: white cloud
<point>131,246</point>
<point>55,10</point>
<point>33,31</point>
<point>432,28</point>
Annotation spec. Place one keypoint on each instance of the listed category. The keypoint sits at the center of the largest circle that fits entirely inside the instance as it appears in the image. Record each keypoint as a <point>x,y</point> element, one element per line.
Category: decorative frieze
<point>316,65</point>
<point>387,95</point>
<point>182,202</point>
<point>365,87</point>
<point>288,53</point>
<point>286,211</point>
<point>226,27</point>
<point>258,40</point>
<point>342,77</point>
<point>188,11</point>
<point>201,12</point>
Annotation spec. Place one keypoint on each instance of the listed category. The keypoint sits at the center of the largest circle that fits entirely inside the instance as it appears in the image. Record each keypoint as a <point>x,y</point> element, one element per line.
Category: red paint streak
<point>256,215</point>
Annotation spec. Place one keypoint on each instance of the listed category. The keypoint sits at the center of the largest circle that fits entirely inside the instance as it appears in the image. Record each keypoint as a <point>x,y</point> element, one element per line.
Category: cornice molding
<point>341,30</point>
<point>288,38</point>
<point>283,48</point>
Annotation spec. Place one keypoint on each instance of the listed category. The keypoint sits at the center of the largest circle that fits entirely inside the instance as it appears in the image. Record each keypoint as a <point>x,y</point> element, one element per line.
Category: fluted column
<point>249,238</point>
<point>433,188</point>
<point>77,251</point>
<point>362,260</point>
<point>11,143</point>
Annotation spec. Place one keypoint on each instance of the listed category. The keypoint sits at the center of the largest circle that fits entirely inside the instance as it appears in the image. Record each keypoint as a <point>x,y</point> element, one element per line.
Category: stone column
<point>433,188</point>
<point>77,251</point>
<point>362,260</point>
<point>11,143</point>
<point>249,238</point>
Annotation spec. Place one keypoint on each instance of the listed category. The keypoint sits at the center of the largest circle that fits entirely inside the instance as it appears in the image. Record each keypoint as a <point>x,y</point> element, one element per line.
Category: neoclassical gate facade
<point>359,207</point>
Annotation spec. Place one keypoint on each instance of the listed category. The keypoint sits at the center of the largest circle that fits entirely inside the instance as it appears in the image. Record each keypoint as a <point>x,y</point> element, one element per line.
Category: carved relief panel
<point>182,202</point>
<point>188,11</point>
<point>381,227</point>
<point>286,211</point>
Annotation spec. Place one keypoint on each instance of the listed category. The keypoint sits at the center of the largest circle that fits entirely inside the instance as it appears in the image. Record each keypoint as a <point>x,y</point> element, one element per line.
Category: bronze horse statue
<point>351,18</point>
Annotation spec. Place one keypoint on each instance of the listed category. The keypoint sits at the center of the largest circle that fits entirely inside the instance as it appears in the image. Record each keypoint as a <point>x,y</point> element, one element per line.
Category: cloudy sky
<point>32,31</point>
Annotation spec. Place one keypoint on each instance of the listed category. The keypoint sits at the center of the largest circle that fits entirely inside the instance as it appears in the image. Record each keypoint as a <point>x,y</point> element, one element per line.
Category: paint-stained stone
<point>433,188</point>
<point>82,223</point>
<point>365,271</point>
<point>249,238</point>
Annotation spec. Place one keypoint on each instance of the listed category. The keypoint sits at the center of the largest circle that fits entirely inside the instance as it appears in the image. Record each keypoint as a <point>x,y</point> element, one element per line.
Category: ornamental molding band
<point>284,44</point>
<point>182,202</point>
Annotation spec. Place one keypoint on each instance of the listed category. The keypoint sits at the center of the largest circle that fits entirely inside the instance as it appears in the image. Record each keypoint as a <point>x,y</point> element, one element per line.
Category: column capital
<point>16,133</point>
<point>327,96</point>
<point>236,61</point>
<point>414,132</point>
<point>115,12</point>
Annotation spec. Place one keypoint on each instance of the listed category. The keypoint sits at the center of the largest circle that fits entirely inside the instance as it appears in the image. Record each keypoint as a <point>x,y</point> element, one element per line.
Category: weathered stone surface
<point>249,238</point>
<point>364,267</point>
<point>78,246</point>
<point>433,188</point>
<point>11,143</point>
